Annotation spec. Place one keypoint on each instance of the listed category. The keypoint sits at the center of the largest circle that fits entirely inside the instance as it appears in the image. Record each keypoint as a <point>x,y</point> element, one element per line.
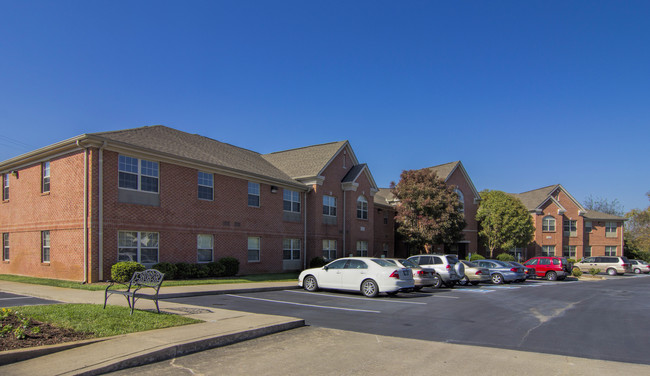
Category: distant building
<point>563,227</point>
<point>155,194</point>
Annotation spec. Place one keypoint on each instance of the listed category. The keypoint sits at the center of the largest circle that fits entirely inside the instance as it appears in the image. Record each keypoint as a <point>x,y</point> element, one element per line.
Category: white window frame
<point>548,224</point>
<point>5,187</point>
<point>254,192</point>
<point>362,208</point>
<point>139,238</point>
<point>611,229</point>
<point>572,226</point>
<point>329,206</point>
<point>5,247</point>
<point>290,201</point>
<point>45,246</point>
<point>587,251</point>
<point>45,177</point>
<point>609,249</point>
<point>569,251</point>
<point>202,246</point>
<point>292,246</point>
<point>461,198</point>
<point>362,248</point>
<point>589,226</point>
<point>253,248</point>
<point>205,180</point>
<point>145,169</point>
<point>329,249</point>
<point>385,250</point>
<point>548,250</point>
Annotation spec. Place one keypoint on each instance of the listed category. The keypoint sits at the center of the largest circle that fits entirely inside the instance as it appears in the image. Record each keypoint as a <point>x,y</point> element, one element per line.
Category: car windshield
<point>625,260</point>
<point>408,263</point>
<point>393,262</point>
<point>469,264</point>
<point>452,259</point>
<point>383,262</point>
<point>642,262</point>
<point>501,264</point>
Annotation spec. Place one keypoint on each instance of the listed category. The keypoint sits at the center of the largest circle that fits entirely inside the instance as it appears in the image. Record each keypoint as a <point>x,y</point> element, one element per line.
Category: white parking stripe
<point>20,297</point>
<point>305,305</point>
<point>351,297</point>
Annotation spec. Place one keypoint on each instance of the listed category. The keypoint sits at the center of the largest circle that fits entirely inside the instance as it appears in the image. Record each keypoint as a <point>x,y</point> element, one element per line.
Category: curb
<point>19,355</point>
<point>174,295</point>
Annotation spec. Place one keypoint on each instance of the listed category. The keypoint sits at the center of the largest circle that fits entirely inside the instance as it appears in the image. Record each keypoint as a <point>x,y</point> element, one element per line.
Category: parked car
<point>501,271</point>
<point>369,275</point>
<point>530,271</point>
<point>611,265</point>
<point>474,274</point>
<point>640,266</point>
<point>550,267</point>
<point>448,267</point>
<point>422,277</point>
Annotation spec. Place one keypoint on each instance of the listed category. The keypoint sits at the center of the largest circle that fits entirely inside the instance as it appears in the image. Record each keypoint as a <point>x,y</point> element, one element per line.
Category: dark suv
<point>550,267</point>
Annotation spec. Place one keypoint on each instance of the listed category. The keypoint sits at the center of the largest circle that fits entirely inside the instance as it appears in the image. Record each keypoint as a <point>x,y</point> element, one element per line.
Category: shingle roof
<point>307,161</point>
<point>354,173</point>
<point>592,214</point>
<point>532,199</point>
<point>197,148</point>
<point>384,197</point>
<point>444,170</point>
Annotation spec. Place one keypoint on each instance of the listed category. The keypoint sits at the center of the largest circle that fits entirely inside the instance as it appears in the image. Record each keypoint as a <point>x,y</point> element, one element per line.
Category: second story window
<point>588,226</point>
<point>138,174</point>
<point>548,224</point>
<point>362,208</point>
<point>329,206</point>
<point>570,228</point>
<point>461,199</point>
<point>253,194</point>
<point>610,229</point>
<point>206,186</point>
<point>291,201</point>
<point>45,177</point>
<point>5,187</point>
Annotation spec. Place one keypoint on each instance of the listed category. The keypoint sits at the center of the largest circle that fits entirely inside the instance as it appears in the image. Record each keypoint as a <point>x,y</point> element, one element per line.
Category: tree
<point>504,221</point>
<point>428,210</point>
<point>637,232</point>
<point>604,205</point>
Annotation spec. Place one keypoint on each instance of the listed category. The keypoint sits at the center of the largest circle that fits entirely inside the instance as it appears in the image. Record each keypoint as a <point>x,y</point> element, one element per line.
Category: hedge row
<point>225,267</point>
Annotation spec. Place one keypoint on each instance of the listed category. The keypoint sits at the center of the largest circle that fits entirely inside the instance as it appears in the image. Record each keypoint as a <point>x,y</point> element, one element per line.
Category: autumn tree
<point>428,210</point>
<point>637,232</point>
<point>504,221</point>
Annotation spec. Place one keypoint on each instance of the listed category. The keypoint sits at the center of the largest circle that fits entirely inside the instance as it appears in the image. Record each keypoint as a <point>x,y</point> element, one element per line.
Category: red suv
<point>550,267</point>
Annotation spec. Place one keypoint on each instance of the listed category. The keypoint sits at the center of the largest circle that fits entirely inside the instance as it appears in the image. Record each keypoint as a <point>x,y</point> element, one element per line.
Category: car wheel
<point>464,281</point>
<point>637,271</point>
<point>369,288</point>
<point>437,282</point>
<point>551,276</point>
<point>611,271</point>
<point>497,279</point>
<point>310,284</point>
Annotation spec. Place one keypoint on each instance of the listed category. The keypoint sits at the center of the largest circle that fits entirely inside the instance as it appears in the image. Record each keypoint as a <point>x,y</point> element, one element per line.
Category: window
<point>548,224</point>
<point>253,249</point>
<point>610,229</point>
<point>587,251</point>
<point>548,250</point>
<point>206,186</point>
<point>570,228</point>
<point>384,250</point>
<point>569,251</point>
<point>253,194</point>
<point>291,201</point>
<point>362,208</point>
<point>137,246</point>
<point>385,219</point>
<point>138,174</point>
<point>5,187</point>
<point>610,250</point>
<point>362,248</point>
<point>329,206</point>
<point>45,246</point>
<point>588,226</point>
<point>461,199</point>
<point>5,247</point>
<point>45,177</point>
<point>329,249</point>
<point>291,249</point>
<point>204,248</point>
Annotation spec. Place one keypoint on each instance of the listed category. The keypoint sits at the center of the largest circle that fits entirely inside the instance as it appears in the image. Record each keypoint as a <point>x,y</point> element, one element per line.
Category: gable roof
<point>535,199</point>
<point>384,197</point>
<point>444,171</point>
<point>308,161</point>
<point>594,215</point>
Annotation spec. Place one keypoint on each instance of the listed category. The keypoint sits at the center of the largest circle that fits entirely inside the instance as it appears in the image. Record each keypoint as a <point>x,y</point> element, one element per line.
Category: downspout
<point>344,211</point>
<point>304,261</point>
<point>85,226</point>
<point>101,212</point>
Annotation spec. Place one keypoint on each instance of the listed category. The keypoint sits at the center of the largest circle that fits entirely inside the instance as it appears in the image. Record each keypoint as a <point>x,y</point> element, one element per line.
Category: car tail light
<point>625,265</point>
<point>420,272</point>
<point>448,266</point>
<point>513,270</point>
<point>478,272</point>
<point>394,274</point>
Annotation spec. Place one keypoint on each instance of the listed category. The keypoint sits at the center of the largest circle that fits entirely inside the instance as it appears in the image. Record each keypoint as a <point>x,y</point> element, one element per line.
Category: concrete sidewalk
<point>221,327</point>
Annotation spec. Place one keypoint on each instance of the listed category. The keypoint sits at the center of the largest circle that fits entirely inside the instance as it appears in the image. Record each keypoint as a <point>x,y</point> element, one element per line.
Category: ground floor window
<point>384,250</point>
<point>253,249</point>
<point>362,248</point>
<point>569,251</point>
<point>610,250</point>
<point>329,249</point>
<point>204,248</point>
<point>291,249</point>
<point>45,246</point>
<point>587,251</point>
<point>5,247</point>
<point>139,246</point>
<point>548,250</point>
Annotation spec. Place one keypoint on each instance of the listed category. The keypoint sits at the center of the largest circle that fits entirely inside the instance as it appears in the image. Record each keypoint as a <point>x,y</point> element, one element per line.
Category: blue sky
<point>525,93</point>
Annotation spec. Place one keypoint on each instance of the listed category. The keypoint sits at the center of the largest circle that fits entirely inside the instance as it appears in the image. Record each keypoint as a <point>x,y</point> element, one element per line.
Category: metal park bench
<point>150,278</point>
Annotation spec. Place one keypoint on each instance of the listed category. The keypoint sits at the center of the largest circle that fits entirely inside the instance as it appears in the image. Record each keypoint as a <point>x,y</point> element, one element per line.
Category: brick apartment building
<point>155,194</point>
<point>563,227</point>
<point>454,174</point>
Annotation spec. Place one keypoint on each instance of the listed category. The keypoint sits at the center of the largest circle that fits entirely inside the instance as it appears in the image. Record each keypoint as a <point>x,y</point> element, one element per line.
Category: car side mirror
<point>325,267</point>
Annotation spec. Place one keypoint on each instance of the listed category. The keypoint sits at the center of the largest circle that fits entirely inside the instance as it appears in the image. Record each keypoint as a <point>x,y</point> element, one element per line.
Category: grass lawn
<point>92,318</point>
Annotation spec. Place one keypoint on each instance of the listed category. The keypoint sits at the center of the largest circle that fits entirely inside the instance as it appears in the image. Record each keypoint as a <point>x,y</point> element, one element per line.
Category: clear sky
<point>525,93</point>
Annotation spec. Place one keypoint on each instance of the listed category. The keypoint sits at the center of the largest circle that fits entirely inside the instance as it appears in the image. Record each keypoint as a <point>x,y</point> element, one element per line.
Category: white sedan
<point>366,274</point>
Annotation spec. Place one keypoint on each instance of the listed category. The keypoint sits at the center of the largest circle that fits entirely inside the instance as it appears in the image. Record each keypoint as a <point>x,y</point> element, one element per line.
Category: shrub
<point>594,271</point>
<point>199,271</point>
<point>183,270</point>
<point>215,269</point>
<point>231,266</point>
<point>505,257</point>
<point>476,256</point>
<point>167,268</point>
<point>317,262</point>
<point>571,261</point>
<point>576,272</point>
<point>123,271</point>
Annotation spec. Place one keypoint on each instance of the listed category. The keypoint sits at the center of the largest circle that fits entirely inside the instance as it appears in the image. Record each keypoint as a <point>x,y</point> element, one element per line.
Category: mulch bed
<point>46,334</point>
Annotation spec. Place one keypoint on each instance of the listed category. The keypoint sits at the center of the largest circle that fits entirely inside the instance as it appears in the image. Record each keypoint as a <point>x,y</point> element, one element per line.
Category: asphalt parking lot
<point>604,319</point>
<point>11,300</point>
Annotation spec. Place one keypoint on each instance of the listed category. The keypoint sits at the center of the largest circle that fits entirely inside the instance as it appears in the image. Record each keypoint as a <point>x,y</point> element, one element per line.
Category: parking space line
<point>305,305</point>
<point>351,297</point>
<point>19,297</point>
